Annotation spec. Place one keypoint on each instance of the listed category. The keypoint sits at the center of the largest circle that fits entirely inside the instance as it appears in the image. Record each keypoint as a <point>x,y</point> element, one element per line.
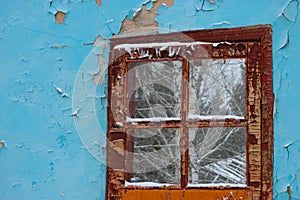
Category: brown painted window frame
<point>257,41</point>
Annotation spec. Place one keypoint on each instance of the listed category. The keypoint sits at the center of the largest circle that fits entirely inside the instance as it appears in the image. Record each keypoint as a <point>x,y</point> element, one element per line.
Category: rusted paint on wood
<point>229,50</point>
<point>240,34</point>
<point>254,117</point>
<point>267,115</point>
<point>199,194</point>
<point>116,184</point>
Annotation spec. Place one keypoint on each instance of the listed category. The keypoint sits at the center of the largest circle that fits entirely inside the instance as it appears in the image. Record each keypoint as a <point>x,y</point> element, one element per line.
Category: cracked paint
<point>38,53</point>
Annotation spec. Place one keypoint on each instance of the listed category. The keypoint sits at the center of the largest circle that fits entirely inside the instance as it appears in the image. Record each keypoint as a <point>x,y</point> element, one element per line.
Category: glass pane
<point>154,89</point>
<point>156,156</point>
<point>217,88</point>
<point>217,156</point>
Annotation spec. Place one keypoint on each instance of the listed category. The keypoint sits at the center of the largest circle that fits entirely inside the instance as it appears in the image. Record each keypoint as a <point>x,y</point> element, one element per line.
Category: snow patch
<point>216,185</point>
<point>214,117</point>
<point>163,45</point>
<point>152,119</point>
<point>148,184</point>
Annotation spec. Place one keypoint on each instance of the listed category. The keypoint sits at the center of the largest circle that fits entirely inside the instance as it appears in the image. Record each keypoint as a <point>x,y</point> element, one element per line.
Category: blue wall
<point>53,117</point>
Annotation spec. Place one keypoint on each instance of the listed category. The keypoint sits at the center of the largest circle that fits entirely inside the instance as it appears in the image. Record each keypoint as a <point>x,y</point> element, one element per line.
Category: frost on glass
<point>217,155</point>
<point>217,88</point>
<point>154,89</point>
<point>156,156</point>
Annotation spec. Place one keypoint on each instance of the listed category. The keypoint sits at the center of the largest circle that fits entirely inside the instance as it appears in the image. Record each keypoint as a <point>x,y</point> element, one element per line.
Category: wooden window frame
<point>252,43</point>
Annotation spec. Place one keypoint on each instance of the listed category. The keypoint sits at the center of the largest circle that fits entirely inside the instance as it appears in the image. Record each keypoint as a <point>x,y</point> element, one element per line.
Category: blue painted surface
<point>49,153</point>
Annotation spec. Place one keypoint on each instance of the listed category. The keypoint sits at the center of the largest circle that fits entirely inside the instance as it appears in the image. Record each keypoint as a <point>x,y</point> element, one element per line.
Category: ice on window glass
<point>217,88</point>
<point>217,156</point>
<point>156,156</point>
<point>154,89</point>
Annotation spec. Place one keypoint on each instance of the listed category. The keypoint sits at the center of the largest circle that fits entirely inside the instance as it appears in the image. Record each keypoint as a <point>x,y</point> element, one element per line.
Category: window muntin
<point>155,95</point>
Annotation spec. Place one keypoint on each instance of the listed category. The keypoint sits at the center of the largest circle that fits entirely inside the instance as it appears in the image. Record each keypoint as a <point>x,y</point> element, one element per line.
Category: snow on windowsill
<point>215,117</point>
<point>152,119</point>
<point>215,185</point>
<point>148,184</point>
<point>190,116</point>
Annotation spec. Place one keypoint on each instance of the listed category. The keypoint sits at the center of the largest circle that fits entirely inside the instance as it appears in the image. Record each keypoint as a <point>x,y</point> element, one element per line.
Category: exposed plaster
<point>143,20</point>
<point>59,8</point>
<point>2,144</point>
<point>103,46</point>
<point>60,17</point>
<point>99,2</point>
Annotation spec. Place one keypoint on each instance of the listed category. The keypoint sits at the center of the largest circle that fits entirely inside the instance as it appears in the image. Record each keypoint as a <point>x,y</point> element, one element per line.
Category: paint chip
<point>60,17</point>
<point>2,144</point>
<point>75,112</point>
<point>221,23</point>
<point>99,2</point>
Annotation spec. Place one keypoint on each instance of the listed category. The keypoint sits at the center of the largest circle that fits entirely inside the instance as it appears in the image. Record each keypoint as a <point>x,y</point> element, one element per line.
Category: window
<point>190,115</point>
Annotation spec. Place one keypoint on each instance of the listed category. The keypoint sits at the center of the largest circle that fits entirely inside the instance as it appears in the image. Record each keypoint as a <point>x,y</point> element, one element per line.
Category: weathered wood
<point>252,43</point>
<point>199,194</point>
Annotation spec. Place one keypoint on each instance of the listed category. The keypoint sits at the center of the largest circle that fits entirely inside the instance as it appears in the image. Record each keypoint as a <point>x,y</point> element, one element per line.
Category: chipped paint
<point>143,19</point>
<point>38,53</point>
<point>2,144</point>
<point>60,17</point>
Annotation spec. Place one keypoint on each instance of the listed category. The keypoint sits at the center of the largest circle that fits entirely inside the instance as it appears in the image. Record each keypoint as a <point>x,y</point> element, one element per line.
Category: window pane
<point>217,156</point>
<point>217,88</point>
<point>156,156</point>
<point>154,89</point>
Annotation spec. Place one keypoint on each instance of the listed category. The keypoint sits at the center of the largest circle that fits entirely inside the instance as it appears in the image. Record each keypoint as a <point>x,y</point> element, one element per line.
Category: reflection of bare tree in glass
<point>217,88</point>
<point>157,89</point>
<point>156,156</point>
<point>217,155</point>
<point>157,93</point>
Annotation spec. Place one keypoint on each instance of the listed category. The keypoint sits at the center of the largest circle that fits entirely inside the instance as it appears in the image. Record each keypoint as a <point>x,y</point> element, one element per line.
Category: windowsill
<point>145,185</point>
<point>215,117</point>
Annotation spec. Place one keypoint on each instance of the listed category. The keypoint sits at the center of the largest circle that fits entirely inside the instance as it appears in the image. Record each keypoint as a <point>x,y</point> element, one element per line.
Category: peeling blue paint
<point>45,155</point>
